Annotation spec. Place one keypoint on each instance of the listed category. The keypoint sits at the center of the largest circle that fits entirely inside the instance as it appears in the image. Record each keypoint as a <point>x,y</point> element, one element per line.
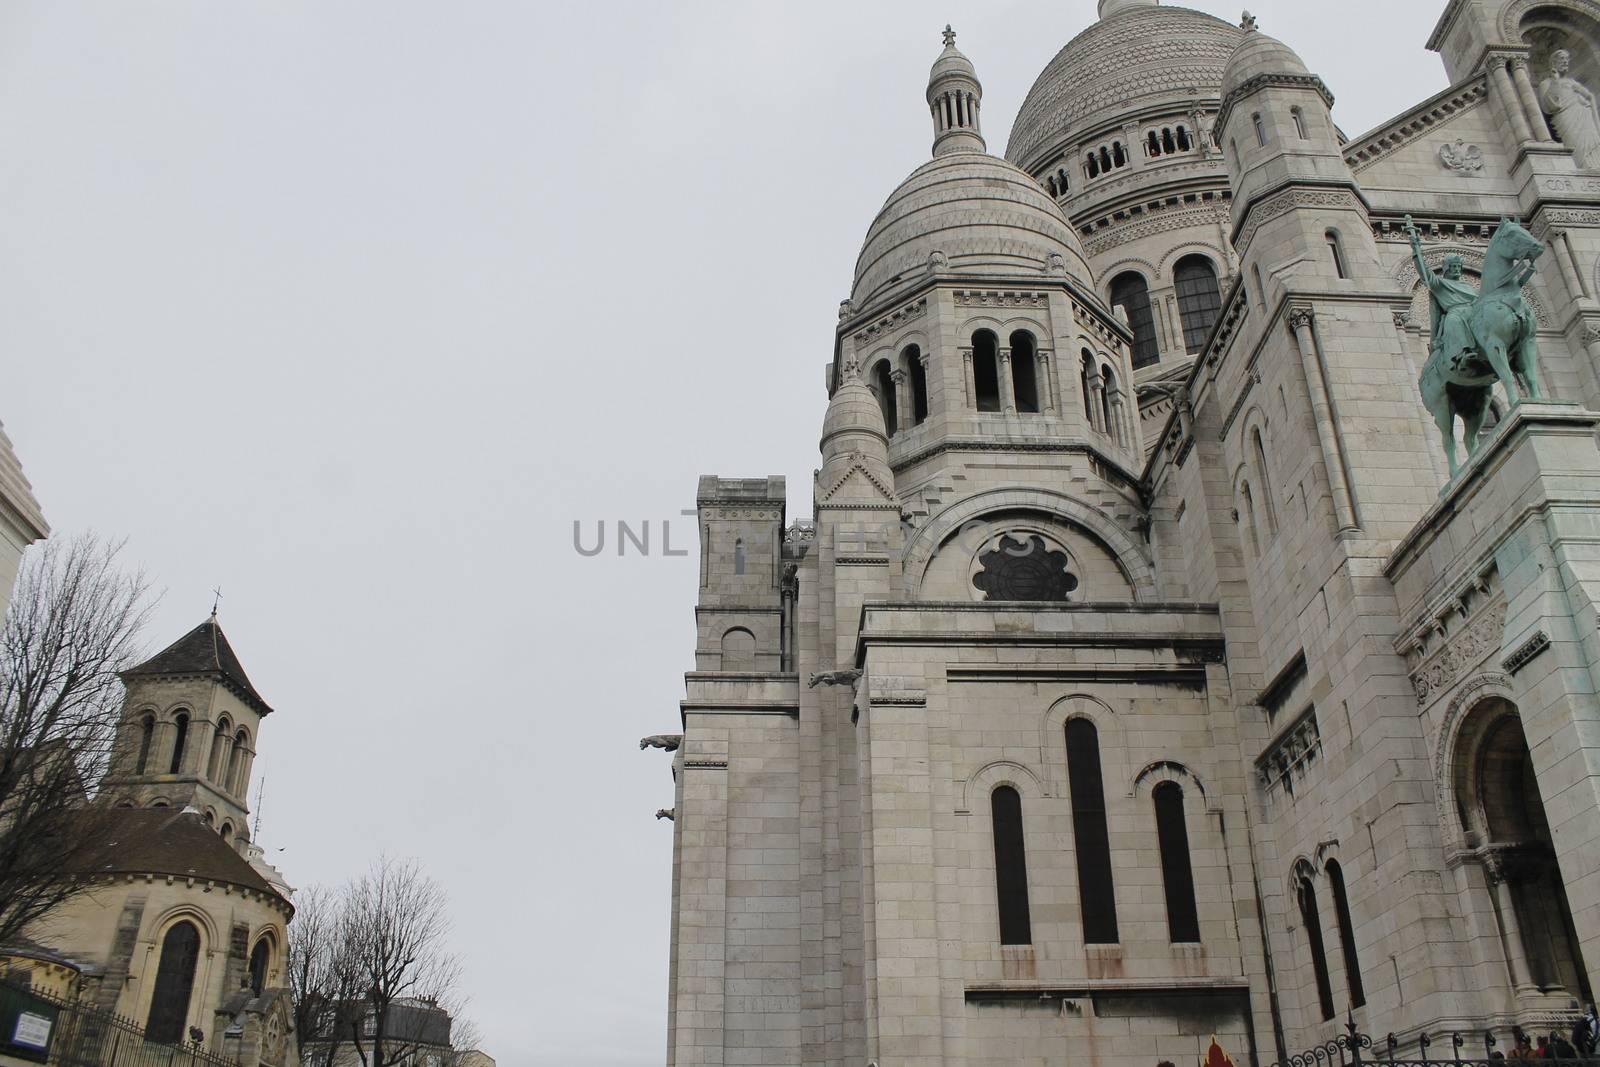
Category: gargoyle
<point>834,678</point>
<point>670,742</point>
<point>669,814</point>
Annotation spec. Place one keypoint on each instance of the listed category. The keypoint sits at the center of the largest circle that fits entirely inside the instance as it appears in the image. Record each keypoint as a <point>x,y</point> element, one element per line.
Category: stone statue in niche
<point>1571,107</point>
<point>1463,158</point>
<point>1479,337</point>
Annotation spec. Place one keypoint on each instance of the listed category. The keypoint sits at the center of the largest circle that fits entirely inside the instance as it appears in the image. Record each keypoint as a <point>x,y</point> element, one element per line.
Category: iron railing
<point>57,1033</point>
<point>1455,1049</point>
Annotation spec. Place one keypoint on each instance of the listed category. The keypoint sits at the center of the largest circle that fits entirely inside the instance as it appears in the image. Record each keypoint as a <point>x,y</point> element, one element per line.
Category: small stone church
<point>1157,662</point>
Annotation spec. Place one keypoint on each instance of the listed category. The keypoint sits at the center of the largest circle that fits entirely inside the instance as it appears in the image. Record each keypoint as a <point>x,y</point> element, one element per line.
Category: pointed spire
<point>955,98</point>
<point>203,651</point>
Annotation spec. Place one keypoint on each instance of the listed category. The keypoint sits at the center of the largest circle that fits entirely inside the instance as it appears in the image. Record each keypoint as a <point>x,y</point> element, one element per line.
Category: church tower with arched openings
<point>1147,682</point>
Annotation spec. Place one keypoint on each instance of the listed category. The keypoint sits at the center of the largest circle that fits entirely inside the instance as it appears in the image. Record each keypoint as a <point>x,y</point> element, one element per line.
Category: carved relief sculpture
<point>1479,338</point>
<point>1571,107</point>
<point>1465,159</point>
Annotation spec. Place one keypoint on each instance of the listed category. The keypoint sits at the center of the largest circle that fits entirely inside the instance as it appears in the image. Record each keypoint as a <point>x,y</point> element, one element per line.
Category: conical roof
<point>203,650</point>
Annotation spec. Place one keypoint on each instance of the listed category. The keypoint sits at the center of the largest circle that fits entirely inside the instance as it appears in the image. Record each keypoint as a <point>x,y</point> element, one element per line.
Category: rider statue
<point>1451,299</point>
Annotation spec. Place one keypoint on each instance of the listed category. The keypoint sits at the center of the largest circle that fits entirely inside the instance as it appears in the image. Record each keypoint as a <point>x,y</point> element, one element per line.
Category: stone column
<point>902,400</point>
<point>1300,320</point>
<point>1119,423</point>
<point>1507,95</point>
<point>1008,395</point>
<point>935,396</point>
<point>1563,241</point>
<point>1510,927</point>
<point>1047,380</point>
<point>966,377</point>
<point>1530,99</point>
<point>1097,386</point>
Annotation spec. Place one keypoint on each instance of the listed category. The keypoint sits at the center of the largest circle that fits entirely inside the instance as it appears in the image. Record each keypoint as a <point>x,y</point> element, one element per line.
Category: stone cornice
<point>1405,128</point>
<point>1442,27</point>
<point>1262,81</point>
<point>984,444</point>
<point>1293,193</point>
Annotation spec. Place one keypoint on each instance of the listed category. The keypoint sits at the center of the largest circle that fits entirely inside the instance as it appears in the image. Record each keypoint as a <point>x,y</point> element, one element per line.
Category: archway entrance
<point>1503,815</point>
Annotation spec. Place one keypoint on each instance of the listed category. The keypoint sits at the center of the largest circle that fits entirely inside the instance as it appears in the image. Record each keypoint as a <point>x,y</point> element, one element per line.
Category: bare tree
<point>72,627</point>
<point>322,974</point>
<point>397,926</point>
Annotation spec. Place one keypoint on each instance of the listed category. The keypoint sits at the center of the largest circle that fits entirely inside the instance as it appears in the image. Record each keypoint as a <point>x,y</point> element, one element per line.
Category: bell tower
<point>188,733</point>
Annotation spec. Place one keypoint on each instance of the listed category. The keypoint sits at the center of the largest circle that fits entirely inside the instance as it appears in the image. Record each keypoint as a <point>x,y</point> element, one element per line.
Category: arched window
<point>1299,123</point>
<point>986,370</point>
<point>1108,385</point>
<point>227,832</point>
<point>1010,867</point>
<point>1247,516</point>
<point>738,650</point>
<point>1183,139</point>
<point>1050,184</point>
<point>1167,142</point>
<point>1347,934</point>
<point>169,1004</point>
<point>180,735</point>
<point>883,385</point>
<point>1091,838</point>
<point>1105,159</point>
<point>1199,299</point>
<point>1092,166</point>
<point>1261,129</point>
<point>1264,479</point>
<point>1087,372</point>
<point>1152,145</point>
<point>1319,956</point>
<point>241,745</point>
<point>258,965</point>
<point>1177,876</point>
<point>1130,291</point>
<point>918,375</point>
<point>1336,250</point>
<point>209,818</point>
<point>1024,371</point>
<point>147,733</point>
<point>219,749</point>
<point>1061,181</point>
<point>1118,156</point>
<point>738,556</point>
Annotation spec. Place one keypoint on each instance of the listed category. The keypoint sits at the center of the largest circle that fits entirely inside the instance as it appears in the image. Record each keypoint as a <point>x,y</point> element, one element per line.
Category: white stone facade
<point>1140,675</point>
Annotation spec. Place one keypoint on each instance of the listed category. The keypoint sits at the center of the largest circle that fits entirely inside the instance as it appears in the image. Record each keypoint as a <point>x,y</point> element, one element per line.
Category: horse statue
<point>1479,336</point>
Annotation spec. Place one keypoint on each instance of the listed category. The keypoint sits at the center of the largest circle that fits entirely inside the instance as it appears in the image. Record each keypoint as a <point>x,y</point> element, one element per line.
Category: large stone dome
<point>982,213</point>
<point>1130,58</point>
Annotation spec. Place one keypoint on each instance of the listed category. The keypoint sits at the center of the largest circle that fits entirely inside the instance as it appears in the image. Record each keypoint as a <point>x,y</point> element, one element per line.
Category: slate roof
<point>171,841</point>
<point>203,650</point>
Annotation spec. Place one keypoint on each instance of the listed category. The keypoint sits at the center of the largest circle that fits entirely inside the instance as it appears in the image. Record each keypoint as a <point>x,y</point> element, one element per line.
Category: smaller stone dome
<point>951,61</point>
<point>1259,54</point>
<point>854,422</point>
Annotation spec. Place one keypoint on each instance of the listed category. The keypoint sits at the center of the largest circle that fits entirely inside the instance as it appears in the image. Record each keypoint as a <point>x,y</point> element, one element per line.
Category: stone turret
<point>956,98</point>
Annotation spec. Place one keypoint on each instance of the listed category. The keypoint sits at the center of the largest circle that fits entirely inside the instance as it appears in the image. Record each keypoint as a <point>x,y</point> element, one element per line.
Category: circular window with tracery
<point>1024,566</point>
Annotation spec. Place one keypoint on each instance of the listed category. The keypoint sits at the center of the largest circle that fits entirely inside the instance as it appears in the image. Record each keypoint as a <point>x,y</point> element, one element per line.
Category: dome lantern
<point>955,97</point>
<point>1116,7</point>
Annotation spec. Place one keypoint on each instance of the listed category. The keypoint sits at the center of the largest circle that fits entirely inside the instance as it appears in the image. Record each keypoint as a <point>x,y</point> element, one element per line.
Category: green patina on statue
<point>1479,338</point>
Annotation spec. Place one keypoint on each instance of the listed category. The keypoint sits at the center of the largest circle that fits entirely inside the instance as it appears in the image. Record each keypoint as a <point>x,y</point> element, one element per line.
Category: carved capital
<point>1519,62</point>
<point>1591,333</point>
<point>1402,319</point>
<point>1301,318</point>
<point>897,376</point>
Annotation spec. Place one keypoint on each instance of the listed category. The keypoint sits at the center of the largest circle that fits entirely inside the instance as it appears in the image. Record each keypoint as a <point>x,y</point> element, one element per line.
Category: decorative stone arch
<point>1191,248</point>
<point>1453,742</point>
<point>1165,770</point>
<point>182,707</point>
<point>909,338</point>
<point>1511,18</point>
<point>160,802</point>
<point>210,938</point>
<point>996,773</point>
<point>1053,738</point>
<point>1140,266</point>
<point>1302,867</point>
<point>972,325</point>
<point>1041,335</point>
<point>1405,274</point>
<point>869,364</point>
<point>1131,559</point>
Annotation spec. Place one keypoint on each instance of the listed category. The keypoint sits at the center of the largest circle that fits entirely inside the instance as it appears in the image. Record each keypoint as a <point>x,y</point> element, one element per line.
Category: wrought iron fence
<point>1455,1048</point>
<point>48,1031</point>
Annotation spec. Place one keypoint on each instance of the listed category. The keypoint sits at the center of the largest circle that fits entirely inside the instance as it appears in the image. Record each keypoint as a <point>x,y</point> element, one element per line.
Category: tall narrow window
<point>1105,160</point>
<point>1336,250</point>
<point>219,749</point>
<point>1087,372</point>
<point>1177,876</point>
<point>1167,142</point>
<point>1024,372</point>
<point>1108,385</point>
<point>258,966</point>
<point>147,732</point>
<point>1199,299</point>
<point>1183,139</point>
<point>883,385</point>
<point>1264,479</point>
<point>1347,934</point>
<point>1319,956</point>
<point>1091,838</point>
<point>1247,516</point>
<point>1118,157</point>
<point>1010,867</point>
<point>1299,122</point>
<point>241,743</point>
<point>986,370</point>
<point>227,832</point>
<point>1261,129</point>
<point>169,1004</point>
<point>1132,294</point>
<point>180,734</point>
<point>1152,145</point>
<point>1092,166</point>
<point>918,376</point>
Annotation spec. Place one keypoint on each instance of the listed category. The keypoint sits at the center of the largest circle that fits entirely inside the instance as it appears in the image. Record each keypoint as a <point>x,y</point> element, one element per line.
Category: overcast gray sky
<point>354,307</point>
